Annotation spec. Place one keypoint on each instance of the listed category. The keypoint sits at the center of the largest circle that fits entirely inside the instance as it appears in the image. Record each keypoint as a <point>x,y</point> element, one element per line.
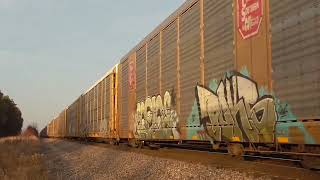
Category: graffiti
<point>283,110</point>
<point>155,118</point>
<point>235,111</point>
<point>288,126</point>
<point>202,134</point>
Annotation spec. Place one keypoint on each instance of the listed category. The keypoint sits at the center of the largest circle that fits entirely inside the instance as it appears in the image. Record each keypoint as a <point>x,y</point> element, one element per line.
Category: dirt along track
<point>75,160</point>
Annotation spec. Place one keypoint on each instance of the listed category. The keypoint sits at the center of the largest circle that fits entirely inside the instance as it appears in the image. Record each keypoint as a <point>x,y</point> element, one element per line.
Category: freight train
<point>239,74</point>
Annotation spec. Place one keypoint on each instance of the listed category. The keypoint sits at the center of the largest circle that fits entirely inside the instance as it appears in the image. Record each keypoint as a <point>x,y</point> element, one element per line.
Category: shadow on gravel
<point>56,151</point>
<point>67,159</point>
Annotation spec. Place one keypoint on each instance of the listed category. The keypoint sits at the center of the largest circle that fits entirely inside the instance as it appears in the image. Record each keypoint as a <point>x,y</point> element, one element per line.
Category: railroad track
<point>261,159</point>
<point>283,162</point>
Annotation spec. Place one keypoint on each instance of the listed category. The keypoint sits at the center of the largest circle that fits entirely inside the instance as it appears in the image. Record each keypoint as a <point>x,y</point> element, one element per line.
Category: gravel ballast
<point>72,160</point>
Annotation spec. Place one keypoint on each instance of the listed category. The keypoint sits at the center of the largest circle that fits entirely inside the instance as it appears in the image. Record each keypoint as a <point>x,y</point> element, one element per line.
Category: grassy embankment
<point>20,159</point>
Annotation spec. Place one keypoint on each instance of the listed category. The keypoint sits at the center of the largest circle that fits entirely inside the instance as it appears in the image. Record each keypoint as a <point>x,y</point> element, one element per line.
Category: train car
<point>57,127</point>
<point>227,72</point>
<point>72,116</point>
<point>93,114</point>
<point>50,129</point>
<point>240,74</point>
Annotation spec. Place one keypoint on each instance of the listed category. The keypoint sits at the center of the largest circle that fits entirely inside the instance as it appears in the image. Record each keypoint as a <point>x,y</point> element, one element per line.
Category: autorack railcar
<point>241,74</point>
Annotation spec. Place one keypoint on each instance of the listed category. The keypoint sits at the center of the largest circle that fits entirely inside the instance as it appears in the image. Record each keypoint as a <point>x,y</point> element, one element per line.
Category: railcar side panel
<point>83,114</point>
<point>219,62</point>
<point>99,107</point>
<point>107,105</point>
<point>218,38</point>
<point>124,99</point>
<point>94,110</point>
<point>169,60</point>
<point>49,126</point>
<point>296,68</point>
<point>141,69</point>
<point>169,82</point>
<point>190,71</point>
<point>132,94</point>
<point>72,114</point>
<point>153,64</point>
<point>92,113</point>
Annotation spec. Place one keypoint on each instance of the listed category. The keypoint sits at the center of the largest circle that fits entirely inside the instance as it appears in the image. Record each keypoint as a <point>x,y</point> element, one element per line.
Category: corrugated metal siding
<point>76,124</point>
<point>49,129</point>
<point>103,104</point>
<point>123,122</point>
<point>107,103</point>
<point>153,66</point>
<point>218,37</point>
<point>100,101</point>
<point>141,74</point>
<point>296,54</point>
<point>90,127</point>
<point>95,113</point>
<point>69,117</point>
<point>58,128</point>
<point>189,58</point>
<point>119,99</point>
<point>55,128</point>
<point>87,114</point>
<point>169,59</point>
<point>97,109</point>
<point>83,117</point>
<point>52,128</point>
<point>91,110</point>
<point>72,119</point>
<point>63,124</point>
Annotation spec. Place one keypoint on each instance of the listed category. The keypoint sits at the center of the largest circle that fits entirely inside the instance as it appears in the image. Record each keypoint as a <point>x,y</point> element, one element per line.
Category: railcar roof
<point>106,75</point>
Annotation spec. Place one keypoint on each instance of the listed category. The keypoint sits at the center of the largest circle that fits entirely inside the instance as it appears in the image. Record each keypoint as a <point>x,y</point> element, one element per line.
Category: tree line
<point>11,120</point>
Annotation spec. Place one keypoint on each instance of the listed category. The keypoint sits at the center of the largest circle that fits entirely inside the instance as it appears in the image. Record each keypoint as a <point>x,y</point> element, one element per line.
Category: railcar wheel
<point>113,142</point>
<point>216,146</point>
<point>133,143</point>
<point>140,144</point>
<point>236,150</point>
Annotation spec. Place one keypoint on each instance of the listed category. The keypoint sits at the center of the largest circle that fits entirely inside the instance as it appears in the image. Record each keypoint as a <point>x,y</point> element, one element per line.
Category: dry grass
<point>20,159</point>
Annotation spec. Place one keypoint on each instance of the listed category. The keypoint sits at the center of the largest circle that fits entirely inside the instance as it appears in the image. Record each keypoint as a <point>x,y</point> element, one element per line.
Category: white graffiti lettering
<point>235,110</point>
<point>155,118</point>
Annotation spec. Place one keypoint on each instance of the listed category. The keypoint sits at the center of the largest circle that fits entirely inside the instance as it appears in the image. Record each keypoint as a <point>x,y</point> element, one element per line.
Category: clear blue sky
<point>53,50</point>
